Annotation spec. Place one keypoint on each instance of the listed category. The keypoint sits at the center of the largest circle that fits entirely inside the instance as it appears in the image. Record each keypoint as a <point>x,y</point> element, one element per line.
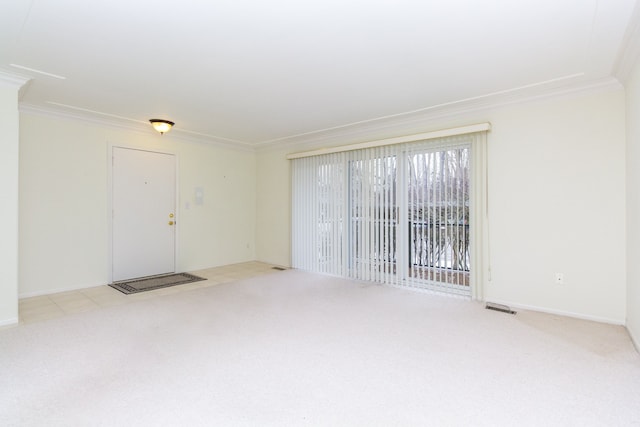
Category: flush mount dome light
<point>161,126</point>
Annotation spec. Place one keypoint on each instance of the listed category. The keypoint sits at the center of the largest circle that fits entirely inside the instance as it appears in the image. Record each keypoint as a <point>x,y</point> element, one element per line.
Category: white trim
<point>376,128</point>
<point>13,79</point>
<point>420,120</point>
<point>613,321</point>
<point>33,70</point>
<point>100,114</point>
<point>123,123</point>
<point>479,127</point>
<point>57,290</point>
<point>636,342</point>
<point>483,98</point>
<point>10,322</point>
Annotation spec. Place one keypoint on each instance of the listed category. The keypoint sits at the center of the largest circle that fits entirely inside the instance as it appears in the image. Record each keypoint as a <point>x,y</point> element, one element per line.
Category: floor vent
<point>278,268</point>
<point>499,307</point>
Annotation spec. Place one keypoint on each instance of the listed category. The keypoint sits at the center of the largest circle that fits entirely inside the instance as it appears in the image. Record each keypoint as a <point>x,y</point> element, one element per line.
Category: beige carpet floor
<point>296,349</point>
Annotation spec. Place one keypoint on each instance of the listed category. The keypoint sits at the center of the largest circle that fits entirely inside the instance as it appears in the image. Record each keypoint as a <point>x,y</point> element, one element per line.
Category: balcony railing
<point>444,246</point>
<point>437,252</point>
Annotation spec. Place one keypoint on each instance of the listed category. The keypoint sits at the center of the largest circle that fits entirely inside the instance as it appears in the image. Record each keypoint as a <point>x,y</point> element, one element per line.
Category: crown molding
<point>442,133</point>
<point>401,124</point>
<point>123,123</point>
<point>13,79</point>
<point>423,120</point>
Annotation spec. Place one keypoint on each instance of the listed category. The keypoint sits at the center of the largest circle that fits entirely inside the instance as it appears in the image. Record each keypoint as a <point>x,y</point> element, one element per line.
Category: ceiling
<point>255,73</point>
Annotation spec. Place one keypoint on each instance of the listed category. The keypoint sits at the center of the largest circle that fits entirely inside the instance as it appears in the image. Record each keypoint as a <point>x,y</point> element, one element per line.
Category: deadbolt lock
<point>170,215</point>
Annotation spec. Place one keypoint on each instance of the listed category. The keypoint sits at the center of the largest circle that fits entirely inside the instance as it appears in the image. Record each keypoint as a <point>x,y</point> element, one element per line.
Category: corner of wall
<point>9,173</point>
<point>632,88</point>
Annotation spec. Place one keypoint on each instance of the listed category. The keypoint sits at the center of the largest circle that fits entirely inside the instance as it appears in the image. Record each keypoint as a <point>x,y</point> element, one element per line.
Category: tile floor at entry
<point>45,307</point>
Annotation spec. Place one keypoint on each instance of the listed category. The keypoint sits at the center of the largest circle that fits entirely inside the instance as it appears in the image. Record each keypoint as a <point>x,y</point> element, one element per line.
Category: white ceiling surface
<point>254,73</point>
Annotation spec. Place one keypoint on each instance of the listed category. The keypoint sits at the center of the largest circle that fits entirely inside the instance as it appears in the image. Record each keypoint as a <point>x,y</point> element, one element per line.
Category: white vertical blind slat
<point>371,215</point>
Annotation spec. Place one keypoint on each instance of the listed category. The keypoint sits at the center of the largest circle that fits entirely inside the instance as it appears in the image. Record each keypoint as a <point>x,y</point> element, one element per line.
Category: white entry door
<point>143,217</point>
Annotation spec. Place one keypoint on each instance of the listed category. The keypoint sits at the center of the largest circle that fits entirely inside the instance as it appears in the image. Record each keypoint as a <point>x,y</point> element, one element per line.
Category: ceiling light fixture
<point>161,126</point>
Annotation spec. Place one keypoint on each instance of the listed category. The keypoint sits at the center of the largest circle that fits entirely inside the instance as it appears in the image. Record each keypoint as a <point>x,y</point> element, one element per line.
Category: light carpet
<point>295,348</point>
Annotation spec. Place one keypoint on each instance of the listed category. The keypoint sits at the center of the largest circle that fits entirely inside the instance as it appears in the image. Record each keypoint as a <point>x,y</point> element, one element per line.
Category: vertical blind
<point>407,214</point>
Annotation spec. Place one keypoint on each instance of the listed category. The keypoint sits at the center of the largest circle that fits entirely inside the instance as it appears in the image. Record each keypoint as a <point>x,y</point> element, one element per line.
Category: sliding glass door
<point>401,215</point>
<point>438,218</point>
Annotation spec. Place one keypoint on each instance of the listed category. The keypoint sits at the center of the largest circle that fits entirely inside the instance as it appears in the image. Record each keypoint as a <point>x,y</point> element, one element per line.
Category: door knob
<point>171,223</point>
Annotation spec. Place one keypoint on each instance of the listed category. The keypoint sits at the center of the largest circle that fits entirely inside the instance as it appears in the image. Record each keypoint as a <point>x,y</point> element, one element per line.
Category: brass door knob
<point>171,223</point>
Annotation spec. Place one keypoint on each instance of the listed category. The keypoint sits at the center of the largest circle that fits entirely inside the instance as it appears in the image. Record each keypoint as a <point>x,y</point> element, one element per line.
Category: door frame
<point>110,148</point>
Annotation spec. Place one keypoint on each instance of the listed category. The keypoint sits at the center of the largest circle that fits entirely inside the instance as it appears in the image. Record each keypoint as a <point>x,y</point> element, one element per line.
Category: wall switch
<point>559,278</point>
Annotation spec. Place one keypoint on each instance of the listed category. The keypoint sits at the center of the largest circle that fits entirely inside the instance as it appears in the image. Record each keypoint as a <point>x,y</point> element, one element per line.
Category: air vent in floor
<point>499,307</point>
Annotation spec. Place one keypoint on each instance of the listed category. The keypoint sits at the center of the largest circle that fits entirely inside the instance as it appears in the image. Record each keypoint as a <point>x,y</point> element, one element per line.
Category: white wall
<point>64,223</point>
<point>273,229</point>
<point>9,203</point>
<point>633,204</point>
<point>556,200</point>
<point>557,204</point>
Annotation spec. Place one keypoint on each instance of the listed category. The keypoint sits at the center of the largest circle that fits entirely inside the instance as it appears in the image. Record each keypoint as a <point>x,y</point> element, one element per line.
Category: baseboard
<point>599,319</point>
<point>634,340</point>
<point>55,291</point>
<point>9,322</point>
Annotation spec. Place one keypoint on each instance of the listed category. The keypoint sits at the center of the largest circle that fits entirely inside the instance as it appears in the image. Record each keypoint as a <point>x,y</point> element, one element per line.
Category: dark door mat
<point>156,282</point>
